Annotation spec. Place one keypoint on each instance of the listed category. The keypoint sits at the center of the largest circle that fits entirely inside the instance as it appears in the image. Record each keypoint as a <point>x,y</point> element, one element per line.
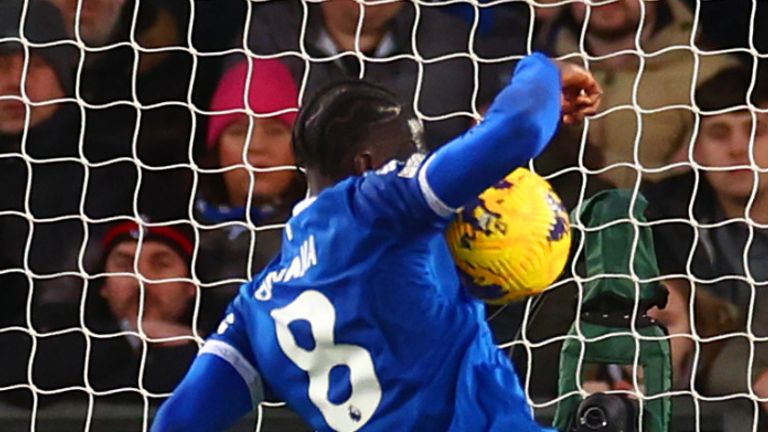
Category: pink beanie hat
<point>272,89</point>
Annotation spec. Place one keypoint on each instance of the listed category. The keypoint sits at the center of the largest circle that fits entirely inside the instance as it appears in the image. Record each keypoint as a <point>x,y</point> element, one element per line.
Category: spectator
<point>164,132</point>
<point>665,80</point>
<point>716,240</point>
<point>99,19</point>
<point>238,197</point>
<point>42,172</point>
<point>161,290</point>
<point>712,316</point>
<point>49,73</point>
<point>386,37</point>
<point>165,253</point>
<point>37,183</point>
<point>161,76</point>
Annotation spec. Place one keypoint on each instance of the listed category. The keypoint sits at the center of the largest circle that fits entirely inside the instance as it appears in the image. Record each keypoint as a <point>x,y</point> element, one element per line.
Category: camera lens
<point>594,418</point>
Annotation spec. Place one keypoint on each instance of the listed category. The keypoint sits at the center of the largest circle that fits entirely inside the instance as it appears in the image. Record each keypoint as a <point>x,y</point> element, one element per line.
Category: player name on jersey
<point>306,259</point>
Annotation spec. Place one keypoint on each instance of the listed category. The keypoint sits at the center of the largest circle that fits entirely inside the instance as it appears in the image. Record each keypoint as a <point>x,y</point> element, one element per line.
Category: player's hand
<point>581,93</point>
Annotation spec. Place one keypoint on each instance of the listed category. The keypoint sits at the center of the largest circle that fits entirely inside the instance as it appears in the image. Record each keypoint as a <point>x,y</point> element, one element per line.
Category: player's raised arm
<point>352,128</point>
<point>519,125</point>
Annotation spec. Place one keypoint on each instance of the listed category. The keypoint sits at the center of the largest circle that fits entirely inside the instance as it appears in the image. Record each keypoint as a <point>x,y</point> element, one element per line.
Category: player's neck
<point>317,182</point>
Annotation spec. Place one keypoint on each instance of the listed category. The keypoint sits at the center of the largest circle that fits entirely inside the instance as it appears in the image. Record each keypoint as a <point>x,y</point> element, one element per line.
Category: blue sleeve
<point>407,198</point>
<point>519,125</point>
<point>212,396</point>
<point>391,198</point>
<point>222,384</point>
<point>230,343</point>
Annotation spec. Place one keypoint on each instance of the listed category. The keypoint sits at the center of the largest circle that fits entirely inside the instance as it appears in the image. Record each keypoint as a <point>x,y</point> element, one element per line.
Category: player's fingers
<point>597,100</point>
<point>583,100</point>
<point>577,115</point>
<point>589,105</point>
<point>584,84</point>
<point>579,97</point>
<point>578,103</point>
<point>583,103</point>
<point>592,88</point>
<point>573,114</point>
<point>579,80</point>
<point>590,85</point>
<point>583,109</point>
<point>567,104</point>
<point>588,111</point>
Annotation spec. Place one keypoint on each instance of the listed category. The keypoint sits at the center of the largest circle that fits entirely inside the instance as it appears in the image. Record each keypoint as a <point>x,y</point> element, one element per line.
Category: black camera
<point>602,412</point>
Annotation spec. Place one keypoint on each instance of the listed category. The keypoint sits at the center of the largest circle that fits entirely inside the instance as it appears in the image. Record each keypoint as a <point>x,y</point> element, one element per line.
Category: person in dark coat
<point>710,220</point>
<point>135,122</point>
<point>43,180</point>
<point>138,330</point>
<point>442,89</point>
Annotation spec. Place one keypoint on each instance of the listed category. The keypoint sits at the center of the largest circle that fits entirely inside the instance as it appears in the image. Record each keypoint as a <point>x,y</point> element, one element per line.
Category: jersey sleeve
<point>425,192</point>
<point>231,344</point>
<point>212,396</point>
<point>397,198</point>
<point>518,127</point>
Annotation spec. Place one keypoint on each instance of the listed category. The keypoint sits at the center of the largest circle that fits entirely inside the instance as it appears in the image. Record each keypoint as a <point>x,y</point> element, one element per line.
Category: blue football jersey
<point>360,322</point>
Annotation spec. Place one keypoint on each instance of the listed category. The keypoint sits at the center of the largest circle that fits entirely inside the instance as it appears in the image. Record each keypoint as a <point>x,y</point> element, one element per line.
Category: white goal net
<point>131,209</point>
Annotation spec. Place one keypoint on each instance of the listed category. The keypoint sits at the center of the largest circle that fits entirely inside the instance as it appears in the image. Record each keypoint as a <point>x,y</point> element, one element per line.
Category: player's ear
<point>362,162</point>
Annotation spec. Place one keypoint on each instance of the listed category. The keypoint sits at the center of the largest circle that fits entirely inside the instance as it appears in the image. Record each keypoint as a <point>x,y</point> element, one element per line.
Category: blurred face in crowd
<point>269,146</point>
<point>723,141</point>
<point>163,301</point>
<point>618,18</point>
<point>344,14</point>
<point>42,84</point>
<point>98,18</point>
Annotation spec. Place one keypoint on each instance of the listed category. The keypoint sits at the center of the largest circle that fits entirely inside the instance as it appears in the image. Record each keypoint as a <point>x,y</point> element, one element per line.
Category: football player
<point>360,322</point>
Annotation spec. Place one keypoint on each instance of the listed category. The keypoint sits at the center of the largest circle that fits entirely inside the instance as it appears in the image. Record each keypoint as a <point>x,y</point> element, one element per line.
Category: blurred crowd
<point>147,163</point>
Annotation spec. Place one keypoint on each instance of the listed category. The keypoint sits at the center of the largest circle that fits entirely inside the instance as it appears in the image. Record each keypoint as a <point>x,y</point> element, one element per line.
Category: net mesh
<point>530,339</point>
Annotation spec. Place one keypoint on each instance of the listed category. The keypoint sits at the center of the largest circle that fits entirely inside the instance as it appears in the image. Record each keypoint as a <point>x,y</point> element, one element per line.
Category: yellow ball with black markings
<point>513,240</point>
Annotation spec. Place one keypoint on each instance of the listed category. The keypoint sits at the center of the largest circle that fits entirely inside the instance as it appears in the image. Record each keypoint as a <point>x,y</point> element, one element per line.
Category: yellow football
<point>513,240</point>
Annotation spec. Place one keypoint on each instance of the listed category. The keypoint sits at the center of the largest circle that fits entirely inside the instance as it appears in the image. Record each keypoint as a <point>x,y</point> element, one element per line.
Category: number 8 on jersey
<point>315,308</point>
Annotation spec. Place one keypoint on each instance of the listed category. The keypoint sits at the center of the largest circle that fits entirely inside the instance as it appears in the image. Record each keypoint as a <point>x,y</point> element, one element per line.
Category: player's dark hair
<point>342,119</point>
<point>729,87</point>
